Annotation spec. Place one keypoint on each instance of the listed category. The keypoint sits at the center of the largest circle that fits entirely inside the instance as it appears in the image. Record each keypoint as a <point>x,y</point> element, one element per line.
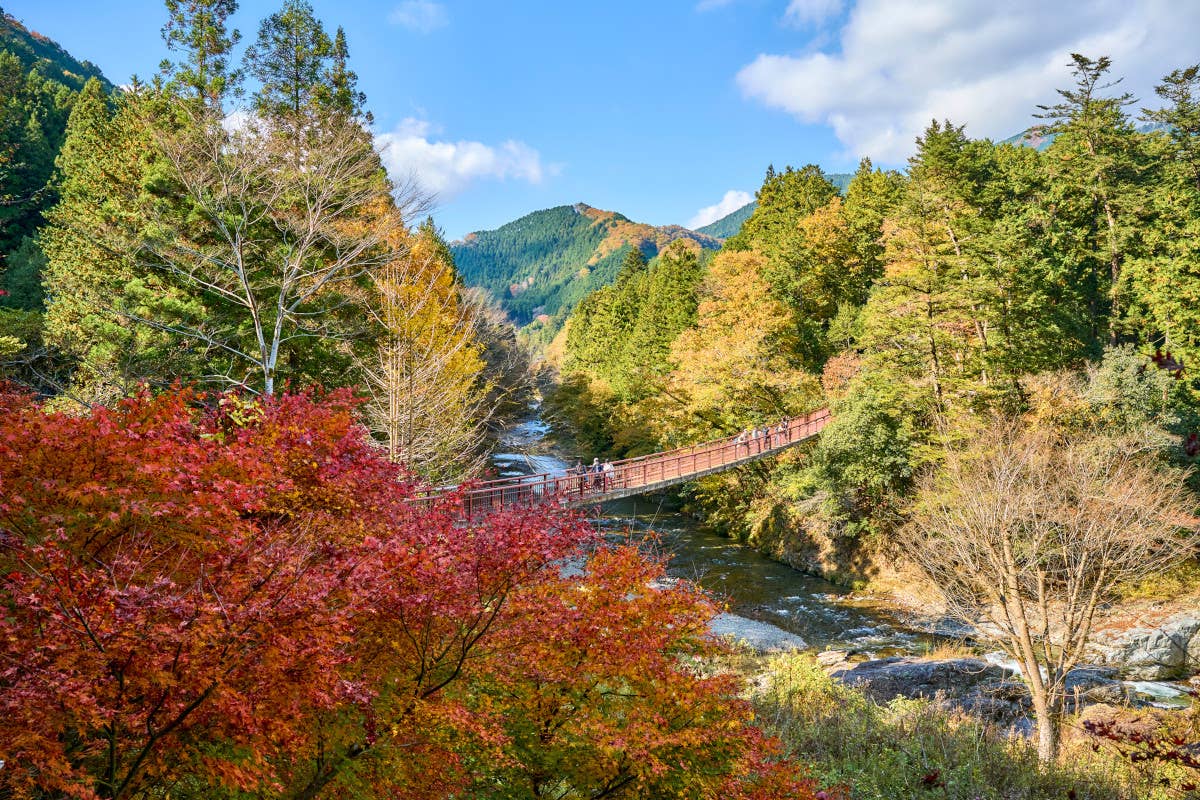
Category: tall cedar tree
<point>198,29</point>
<point>1097,162</point>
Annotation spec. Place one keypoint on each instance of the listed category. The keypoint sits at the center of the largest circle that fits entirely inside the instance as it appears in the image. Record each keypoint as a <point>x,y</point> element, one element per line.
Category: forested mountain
<point>34,50</point>
<point>541,265</point>
<point>730,224</point>
<point>39,82</point>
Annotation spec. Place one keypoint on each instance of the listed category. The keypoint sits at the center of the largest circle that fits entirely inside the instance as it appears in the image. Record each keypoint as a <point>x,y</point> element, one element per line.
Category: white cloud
<point>732,201</point>
<point>811,12</point>
<point>422,16</point>
<point>238,120</point>
<point>897,64</point>
<point>447,168</point>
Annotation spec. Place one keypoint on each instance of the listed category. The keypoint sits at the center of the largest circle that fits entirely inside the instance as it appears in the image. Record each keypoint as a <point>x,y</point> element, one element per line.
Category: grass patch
<point>914,749</point>
<point>1179,581</point>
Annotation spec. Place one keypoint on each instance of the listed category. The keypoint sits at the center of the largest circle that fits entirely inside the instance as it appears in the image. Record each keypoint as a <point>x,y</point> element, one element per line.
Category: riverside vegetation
<point>992,299</point>
<point>235,356</point>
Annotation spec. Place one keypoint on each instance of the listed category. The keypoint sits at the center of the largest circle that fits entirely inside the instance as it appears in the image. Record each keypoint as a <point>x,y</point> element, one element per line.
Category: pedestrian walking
<point>609,472</point>
<point>596,470</point>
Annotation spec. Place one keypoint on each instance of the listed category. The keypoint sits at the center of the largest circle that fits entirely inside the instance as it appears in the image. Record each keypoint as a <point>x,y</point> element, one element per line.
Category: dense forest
<point>971,321</point>
<point>919,303</point>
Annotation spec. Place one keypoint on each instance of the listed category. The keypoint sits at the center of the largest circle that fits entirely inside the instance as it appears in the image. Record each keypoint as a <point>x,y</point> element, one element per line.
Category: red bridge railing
<point>631,474</point>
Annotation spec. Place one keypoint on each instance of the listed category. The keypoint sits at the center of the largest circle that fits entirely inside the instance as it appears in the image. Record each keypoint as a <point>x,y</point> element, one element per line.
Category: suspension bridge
<point>647,473</point>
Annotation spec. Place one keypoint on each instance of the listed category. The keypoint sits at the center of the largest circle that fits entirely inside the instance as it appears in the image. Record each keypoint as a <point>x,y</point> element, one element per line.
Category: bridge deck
<point>633,476</point>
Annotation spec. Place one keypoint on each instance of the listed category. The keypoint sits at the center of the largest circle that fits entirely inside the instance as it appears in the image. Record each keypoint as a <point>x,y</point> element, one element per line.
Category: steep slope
<point>730,224</point>
<point>39,82</point>
<point>35,51</point>
<point>541,265</point>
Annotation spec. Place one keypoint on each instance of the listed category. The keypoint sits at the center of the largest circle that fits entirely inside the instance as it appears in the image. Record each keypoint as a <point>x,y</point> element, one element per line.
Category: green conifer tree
<point>198,29</point>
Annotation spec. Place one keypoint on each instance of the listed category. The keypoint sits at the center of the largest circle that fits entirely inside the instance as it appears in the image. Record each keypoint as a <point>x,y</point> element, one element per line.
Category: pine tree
<point>344,96</point>
<point>290,59</point>
<point>927,319</point>
<point>198,30</point>
<point>870,198</point>
<point>1097,164</point>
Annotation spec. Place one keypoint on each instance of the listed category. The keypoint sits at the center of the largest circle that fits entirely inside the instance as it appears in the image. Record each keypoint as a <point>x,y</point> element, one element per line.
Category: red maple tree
<point>211,595</point>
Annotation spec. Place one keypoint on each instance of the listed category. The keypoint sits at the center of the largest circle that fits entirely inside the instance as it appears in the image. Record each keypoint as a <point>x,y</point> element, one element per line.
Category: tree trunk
<point>1049,724</point>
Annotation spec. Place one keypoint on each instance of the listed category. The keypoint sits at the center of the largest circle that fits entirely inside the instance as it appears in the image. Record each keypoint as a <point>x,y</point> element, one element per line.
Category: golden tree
<point>428,398</point>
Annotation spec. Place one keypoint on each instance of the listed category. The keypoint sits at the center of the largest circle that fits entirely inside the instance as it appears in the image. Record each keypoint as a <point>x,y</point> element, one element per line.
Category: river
<point>772,596</point>
<point>750,585</point>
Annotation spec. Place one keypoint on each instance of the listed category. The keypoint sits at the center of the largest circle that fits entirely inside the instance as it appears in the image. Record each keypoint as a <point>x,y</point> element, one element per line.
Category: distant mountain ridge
<point>39,52</point>
<point>539,266</point>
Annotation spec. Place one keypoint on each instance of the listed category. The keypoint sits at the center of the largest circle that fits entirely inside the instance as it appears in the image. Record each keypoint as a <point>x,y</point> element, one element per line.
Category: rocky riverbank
<point>987,688</point>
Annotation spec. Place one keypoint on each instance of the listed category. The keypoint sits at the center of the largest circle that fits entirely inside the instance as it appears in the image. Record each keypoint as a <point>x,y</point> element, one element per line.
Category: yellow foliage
<point>734,358</point>
<point>425,377</point>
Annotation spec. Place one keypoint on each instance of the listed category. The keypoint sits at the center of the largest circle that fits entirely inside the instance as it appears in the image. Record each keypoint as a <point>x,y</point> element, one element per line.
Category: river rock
<point>828,659</point>
<point>1087,686</point>
<point>1170,650</point>
<point>759,636</point>
<point>980,705</point>
<point>887,678</point>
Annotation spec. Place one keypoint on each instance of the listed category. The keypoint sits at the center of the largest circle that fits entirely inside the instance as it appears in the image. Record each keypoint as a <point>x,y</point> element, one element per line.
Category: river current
<point>750,585</point>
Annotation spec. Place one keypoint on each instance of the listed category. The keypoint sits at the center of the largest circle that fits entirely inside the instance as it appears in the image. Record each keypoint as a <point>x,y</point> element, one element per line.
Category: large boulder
<point>1090,685</point>
<point>1169,650</point>
<point>887,678</point>
<point>760,637</point>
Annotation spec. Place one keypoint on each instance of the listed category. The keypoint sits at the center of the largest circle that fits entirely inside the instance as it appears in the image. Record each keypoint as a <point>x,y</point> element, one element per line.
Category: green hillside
<point>35,51</point>
<point>541,265</point>
<point>39,82</point>
<point>730,224</point>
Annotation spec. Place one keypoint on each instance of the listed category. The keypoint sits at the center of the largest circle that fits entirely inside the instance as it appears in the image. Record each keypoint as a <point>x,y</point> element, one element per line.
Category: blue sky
<point>661,108</point>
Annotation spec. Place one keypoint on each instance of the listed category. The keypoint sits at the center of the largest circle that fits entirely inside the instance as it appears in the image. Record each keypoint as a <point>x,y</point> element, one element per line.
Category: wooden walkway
<point>633,476</point>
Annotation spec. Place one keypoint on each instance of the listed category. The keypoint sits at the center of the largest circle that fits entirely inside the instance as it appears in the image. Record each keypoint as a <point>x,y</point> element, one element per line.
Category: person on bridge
<point>742,439</point>
<point>609,474</point>
<point>597,476</point>
<point>581,474</point>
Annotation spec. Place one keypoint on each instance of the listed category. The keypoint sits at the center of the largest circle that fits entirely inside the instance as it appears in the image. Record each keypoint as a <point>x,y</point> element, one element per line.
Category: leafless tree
<point>279,244</point>
<point>1029,537</point>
